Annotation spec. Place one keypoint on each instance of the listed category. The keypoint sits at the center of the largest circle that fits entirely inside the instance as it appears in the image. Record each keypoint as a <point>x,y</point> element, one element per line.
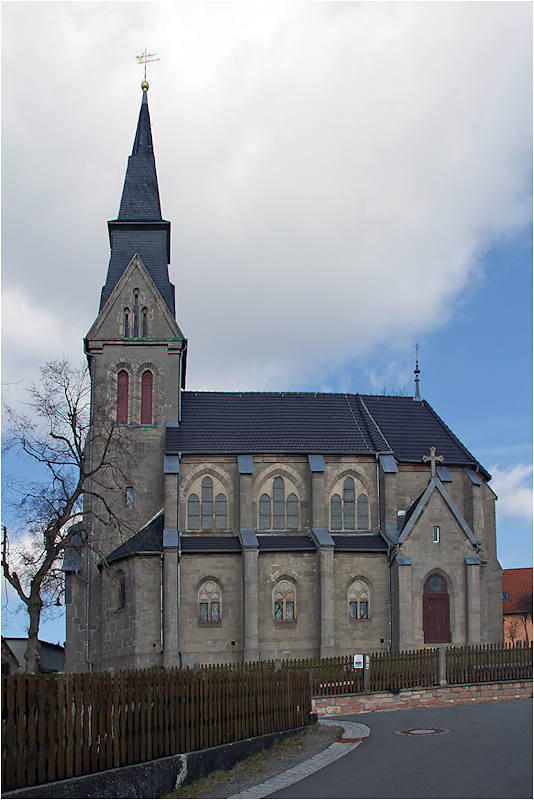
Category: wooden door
<point>436,612</point>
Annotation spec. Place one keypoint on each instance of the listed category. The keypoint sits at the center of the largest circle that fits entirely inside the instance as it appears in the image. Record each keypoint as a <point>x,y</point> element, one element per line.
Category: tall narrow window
<point>126,323</point>
<point>435,534</point>
<point>220,512</point>
<point>121,589</point>
<point>336,513</point>
<point>136,314</point>
<point>146,398</point>
<point>279,515</point>
<point>363,513</point>
<point>265,513</point>
<point>193,512</point>
<point>349,504</point>
<point>129,497</point>
<point>144,323</point>
<point>292,512</point>
<point>207,504</point>
<point>122,397</point>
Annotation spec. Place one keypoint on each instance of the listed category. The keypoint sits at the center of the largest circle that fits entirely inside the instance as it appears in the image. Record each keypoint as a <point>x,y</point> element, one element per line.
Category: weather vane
<point>146,58</point>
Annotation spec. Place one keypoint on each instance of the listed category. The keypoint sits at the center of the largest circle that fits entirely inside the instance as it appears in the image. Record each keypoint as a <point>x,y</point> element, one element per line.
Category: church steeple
<point>140,227</point>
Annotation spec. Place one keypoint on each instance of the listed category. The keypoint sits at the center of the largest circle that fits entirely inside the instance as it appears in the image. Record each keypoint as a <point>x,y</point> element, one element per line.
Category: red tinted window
<point>146,398</point>
<point>122,397</point>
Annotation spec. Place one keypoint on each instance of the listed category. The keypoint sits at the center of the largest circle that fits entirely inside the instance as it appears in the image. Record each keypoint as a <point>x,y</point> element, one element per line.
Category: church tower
<point>136,356</point>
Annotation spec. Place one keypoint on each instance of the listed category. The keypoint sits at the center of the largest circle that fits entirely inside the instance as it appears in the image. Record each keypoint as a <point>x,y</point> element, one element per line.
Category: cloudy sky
<point>343,179</point>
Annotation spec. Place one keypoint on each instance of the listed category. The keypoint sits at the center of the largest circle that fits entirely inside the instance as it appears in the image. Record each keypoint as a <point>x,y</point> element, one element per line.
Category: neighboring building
<point>52,656</point>
<point>516,597</point>
<point>264,524</point>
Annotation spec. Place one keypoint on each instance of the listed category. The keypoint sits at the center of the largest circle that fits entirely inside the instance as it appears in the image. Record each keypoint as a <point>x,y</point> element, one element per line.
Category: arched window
<point>284,601</point>
<point>126,323</point>
<point>122,397</point>
<point>347,514</point>
<point>146,397</point>
<point>121,589</point>
<point>285,511</point>
<point>349,505</point>
<point>358,598</point>
<point>363,513</point>
<point>144,323</point>
<point>209,602</point>
<point>193,512</point>
<point>136,314</point>
<point>205,513</point>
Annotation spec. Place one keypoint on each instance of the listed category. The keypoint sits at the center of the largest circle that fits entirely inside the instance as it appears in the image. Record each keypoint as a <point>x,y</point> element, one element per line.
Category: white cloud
<point>513,486</point>
<point>331,170</point>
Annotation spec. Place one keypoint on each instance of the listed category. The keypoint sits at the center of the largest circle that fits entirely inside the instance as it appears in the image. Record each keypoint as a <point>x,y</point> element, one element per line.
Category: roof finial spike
<point>416,373</point>
<point>146,58</point>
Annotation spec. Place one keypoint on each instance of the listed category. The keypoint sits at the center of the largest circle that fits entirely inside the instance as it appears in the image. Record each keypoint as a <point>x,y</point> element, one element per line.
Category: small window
<point>129,497</point>
<point>144,323</point>
<point>435,534</point>
<point>121,589</point>
<point>122,397</point>
<point>505,596</point>
<point>126,323</point>
<point>284,602</point>
<point>209,603</point>
<point>358,599</point>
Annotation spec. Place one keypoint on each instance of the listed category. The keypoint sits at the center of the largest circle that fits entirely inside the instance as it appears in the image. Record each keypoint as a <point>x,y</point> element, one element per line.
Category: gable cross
<point>433,458</point>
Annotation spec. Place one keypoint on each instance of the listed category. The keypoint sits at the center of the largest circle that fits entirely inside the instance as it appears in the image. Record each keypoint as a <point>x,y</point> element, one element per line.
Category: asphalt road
<point>487,754</point>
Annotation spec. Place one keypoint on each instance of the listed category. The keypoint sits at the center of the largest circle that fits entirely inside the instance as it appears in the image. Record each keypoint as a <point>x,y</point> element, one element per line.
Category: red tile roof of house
<point>515,582</point>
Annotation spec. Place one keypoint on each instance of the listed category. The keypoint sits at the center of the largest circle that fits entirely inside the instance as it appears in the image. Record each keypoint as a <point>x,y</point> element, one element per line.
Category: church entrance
<point>436,621</point>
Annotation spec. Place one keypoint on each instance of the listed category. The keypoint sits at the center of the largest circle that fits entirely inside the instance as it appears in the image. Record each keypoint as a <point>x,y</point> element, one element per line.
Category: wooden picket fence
<point>488,662</point>
<point>63,726</point>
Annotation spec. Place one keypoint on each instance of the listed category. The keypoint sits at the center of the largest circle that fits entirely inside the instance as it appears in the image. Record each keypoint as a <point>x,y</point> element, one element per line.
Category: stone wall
<point>461,694</point>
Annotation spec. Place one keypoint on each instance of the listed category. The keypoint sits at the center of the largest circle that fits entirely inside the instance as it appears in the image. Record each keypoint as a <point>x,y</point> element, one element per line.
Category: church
<point>261,525</point>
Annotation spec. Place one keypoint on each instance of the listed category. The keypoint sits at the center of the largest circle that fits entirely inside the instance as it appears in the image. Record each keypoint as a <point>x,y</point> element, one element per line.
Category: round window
<point>436,584</point>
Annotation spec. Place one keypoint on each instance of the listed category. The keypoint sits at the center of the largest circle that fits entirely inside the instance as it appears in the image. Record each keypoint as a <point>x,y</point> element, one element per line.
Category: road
<point>487,754</point>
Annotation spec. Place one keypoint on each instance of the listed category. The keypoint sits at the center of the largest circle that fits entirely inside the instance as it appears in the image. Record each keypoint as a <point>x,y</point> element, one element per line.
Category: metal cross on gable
<point>433,458</point>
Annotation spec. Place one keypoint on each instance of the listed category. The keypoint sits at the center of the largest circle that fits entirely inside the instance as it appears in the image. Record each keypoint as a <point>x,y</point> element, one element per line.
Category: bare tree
<point>525,605</point>
<point>80,451</point>
<point>512,629</point>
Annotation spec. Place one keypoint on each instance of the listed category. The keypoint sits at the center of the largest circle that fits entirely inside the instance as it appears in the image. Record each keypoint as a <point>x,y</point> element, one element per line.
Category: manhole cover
<point>421,731</point>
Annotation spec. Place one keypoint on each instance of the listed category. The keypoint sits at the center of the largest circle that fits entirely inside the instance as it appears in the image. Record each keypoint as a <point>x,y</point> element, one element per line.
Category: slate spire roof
<point>140,227</point>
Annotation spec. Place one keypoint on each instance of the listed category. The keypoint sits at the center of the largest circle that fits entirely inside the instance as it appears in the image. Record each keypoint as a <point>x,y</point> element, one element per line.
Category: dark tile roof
<point>277,542</point>
<point>210,544</point>
<point>516,582</point>
<point>360,542</point>
<point>140,227</point>
<point>149,541</point>
<point>298,422</point>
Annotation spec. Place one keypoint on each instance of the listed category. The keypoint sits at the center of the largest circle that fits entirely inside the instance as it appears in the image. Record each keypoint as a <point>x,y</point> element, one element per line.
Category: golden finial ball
<point>144,86</point>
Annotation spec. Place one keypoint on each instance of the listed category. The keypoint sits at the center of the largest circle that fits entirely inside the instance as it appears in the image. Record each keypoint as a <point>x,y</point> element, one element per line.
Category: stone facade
<point>247,526</point>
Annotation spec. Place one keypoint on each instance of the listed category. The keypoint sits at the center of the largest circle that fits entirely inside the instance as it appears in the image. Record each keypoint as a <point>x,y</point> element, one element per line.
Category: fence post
<point>442,666</point>
<point>366,672</point>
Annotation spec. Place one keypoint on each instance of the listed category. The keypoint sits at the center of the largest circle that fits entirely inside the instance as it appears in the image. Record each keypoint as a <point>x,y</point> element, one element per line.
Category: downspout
<point>377,492</point>
<point>178,566</point>
<point>161,603</point>
<point>90,361</point>
<point>392,552</point>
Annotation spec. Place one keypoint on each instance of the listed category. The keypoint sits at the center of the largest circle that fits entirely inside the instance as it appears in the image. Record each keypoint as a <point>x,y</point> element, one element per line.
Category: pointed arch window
<point>147,381</point>
<point>285,511</point>
<point>126,323</point>
<point>136,314</point>
<point>363,512</point>
<point>122,397</point>
<point>358,599</point>
<point>347,514</point>
<point>144,323</point>
<point>207,512</point>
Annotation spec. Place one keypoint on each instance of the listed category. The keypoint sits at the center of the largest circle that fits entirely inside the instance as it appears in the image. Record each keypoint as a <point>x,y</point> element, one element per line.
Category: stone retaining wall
<point>421,698</point>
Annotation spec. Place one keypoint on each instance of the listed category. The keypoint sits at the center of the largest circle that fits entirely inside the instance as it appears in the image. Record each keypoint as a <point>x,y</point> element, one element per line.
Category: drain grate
<point>421,731</point>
